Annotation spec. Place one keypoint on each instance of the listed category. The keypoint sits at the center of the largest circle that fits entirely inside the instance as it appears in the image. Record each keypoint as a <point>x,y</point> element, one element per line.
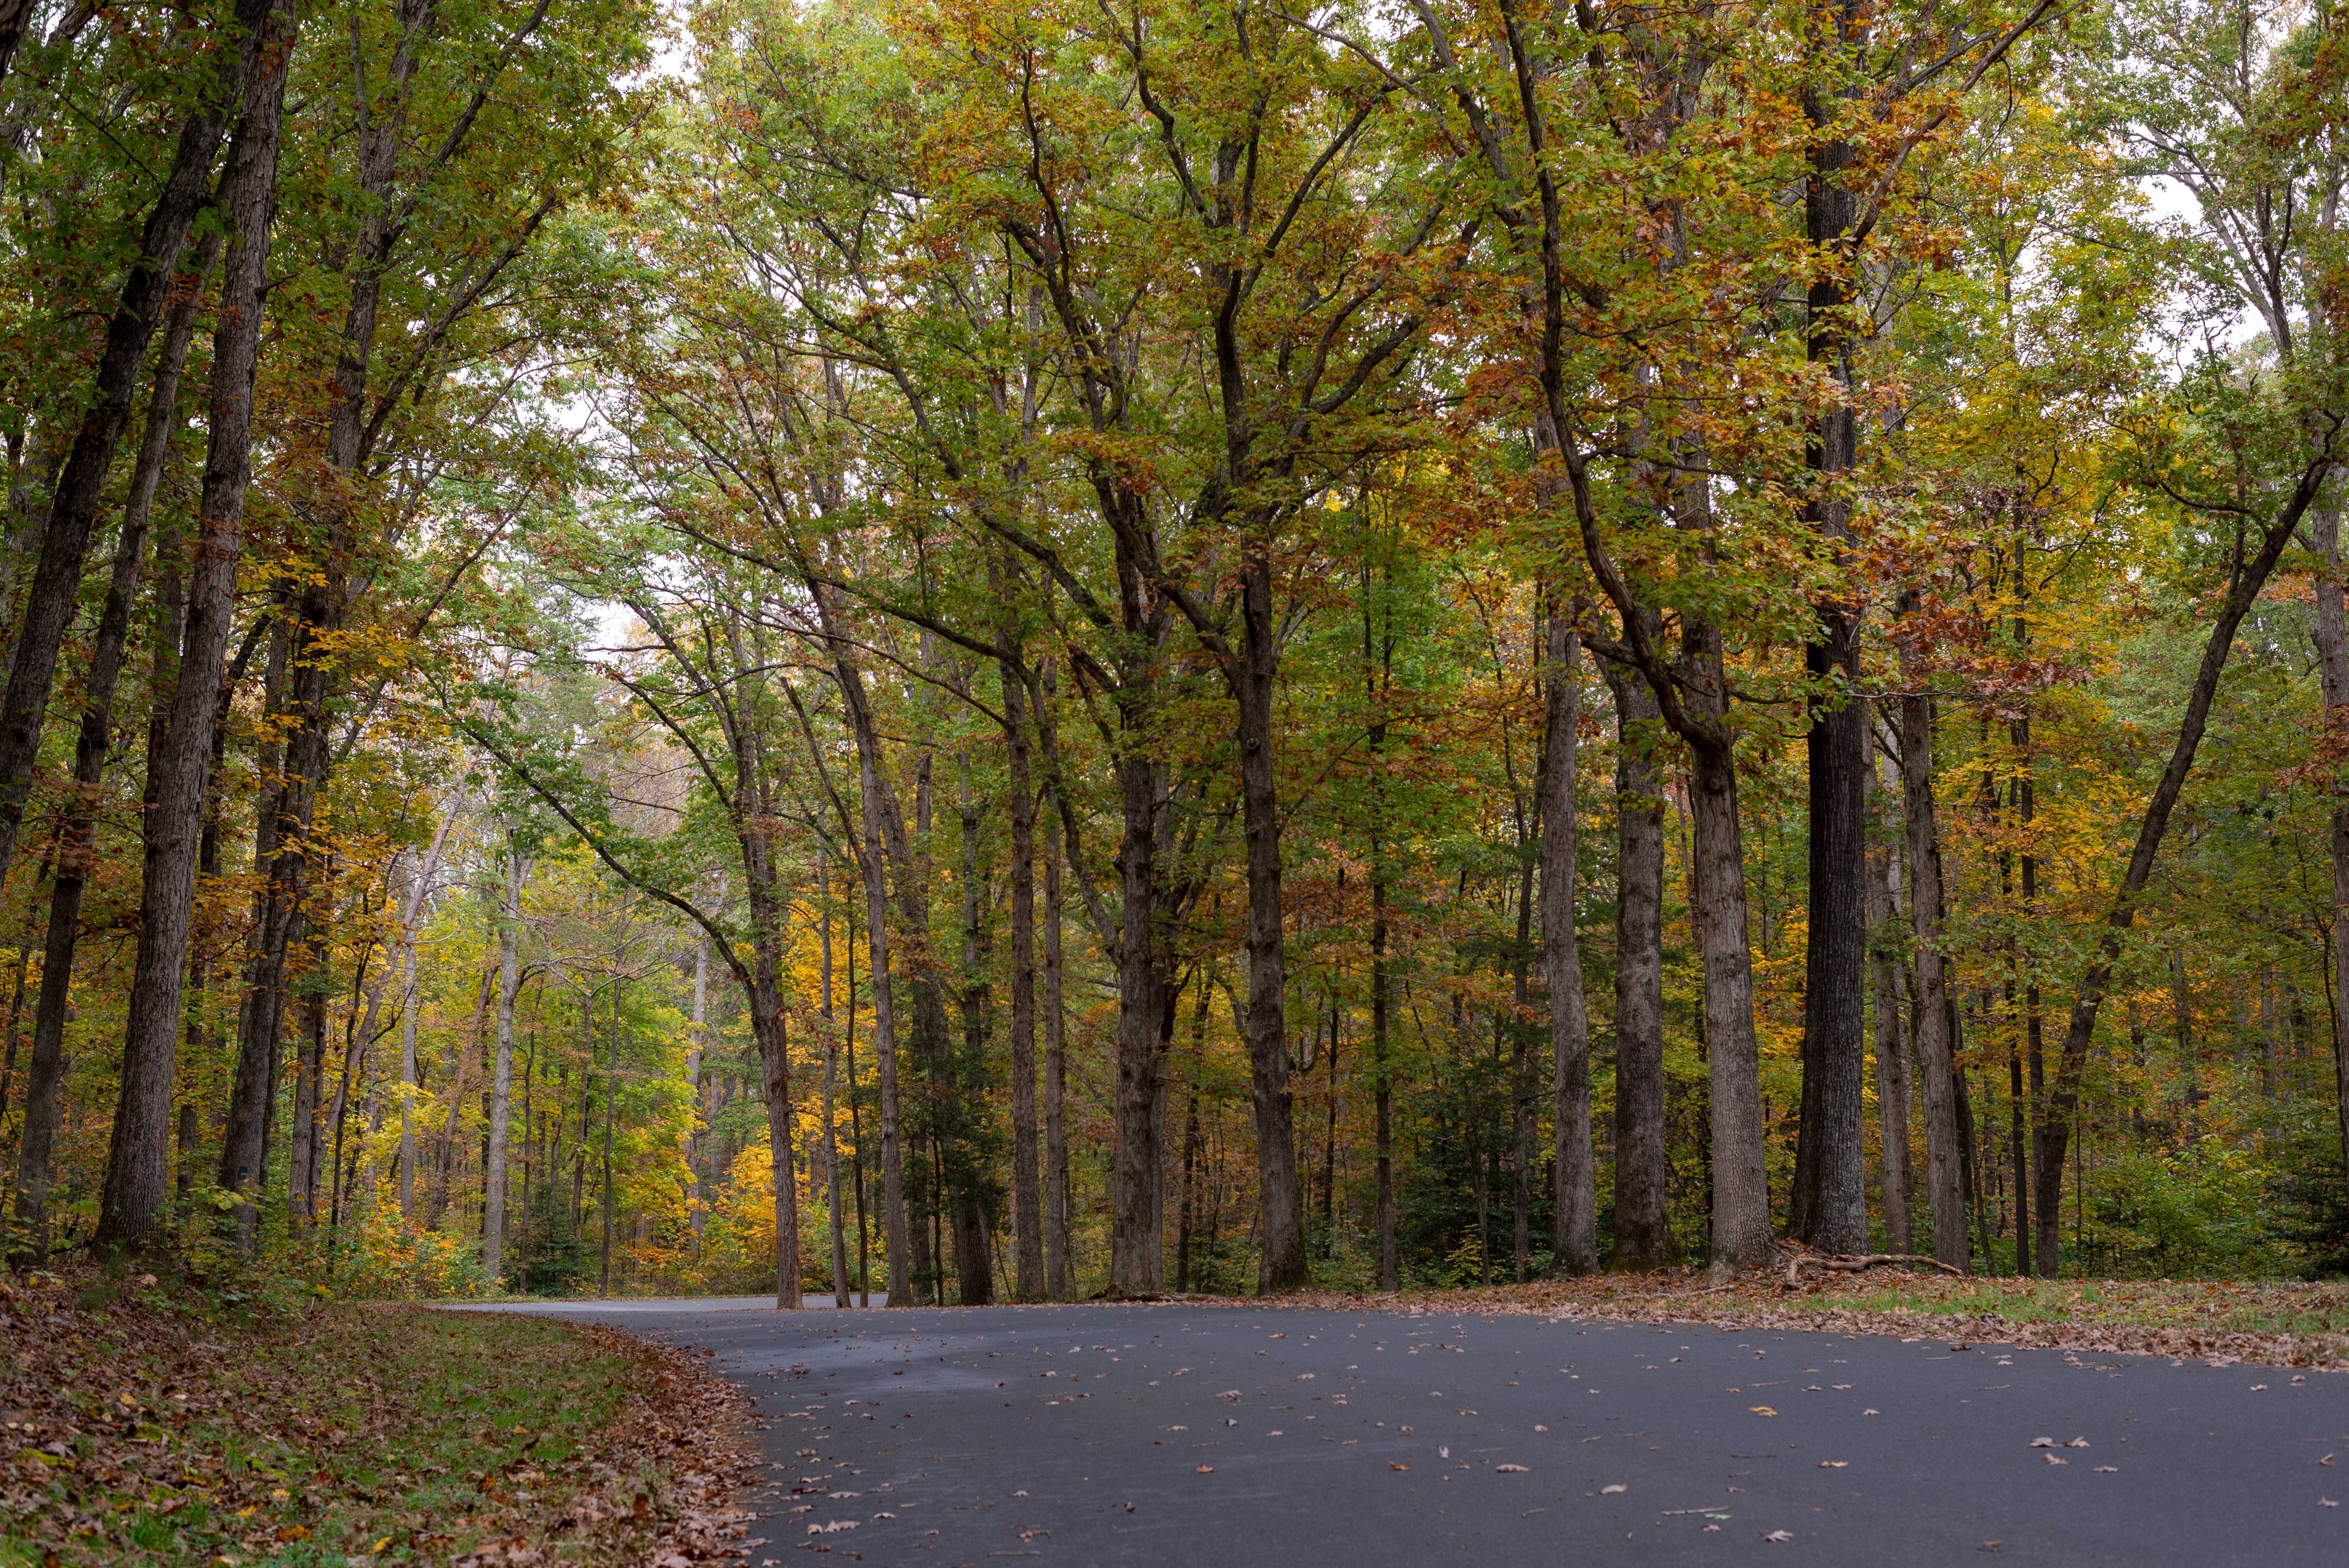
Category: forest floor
<point>2276,1323</point>
<point>146,1422</point>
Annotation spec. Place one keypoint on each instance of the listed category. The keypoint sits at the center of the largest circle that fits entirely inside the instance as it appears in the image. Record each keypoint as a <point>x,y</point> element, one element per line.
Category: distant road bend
<point>1176,1433</point>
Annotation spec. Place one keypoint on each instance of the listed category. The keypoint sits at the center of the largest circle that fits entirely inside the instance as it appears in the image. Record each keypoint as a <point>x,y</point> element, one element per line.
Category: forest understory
<point>1005,653</point>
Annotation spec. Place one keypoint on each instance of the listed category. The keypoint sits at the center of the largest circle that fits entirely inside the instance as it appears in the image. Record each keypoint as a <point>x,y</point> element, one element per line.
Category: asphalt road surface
<point>1179,1434</point>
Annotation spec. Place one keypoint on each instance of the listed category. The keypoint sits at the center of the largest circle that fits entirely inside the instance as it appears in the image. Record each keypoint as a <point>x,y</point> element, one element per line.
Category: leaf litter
<point>144,1427</point>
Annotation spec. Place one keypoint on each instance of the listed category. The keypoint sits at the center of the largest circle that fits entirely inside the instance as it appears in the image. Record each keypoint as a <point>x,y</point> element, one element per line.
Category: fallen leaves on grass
<point>144,1431</point>
<point>2266,1323</point>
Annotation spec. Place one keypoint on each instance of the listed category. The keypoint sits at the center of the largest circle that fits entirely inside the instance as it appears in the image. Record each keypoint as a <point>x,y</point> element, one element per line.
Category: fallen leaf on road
<point>1394,1466</point>
<point>2042,1442</point>
<point>1546,1429</point>
<point>1834,1464</point>
<point>1511,1469</point>
<point>2109,1469</point>
<point>1024,1494</point>
<point>1872,1412</point>
<point>1207,1469</point>
<point>2078,1443</point>
<point>1613,1487</point>
<point>2326,1502</point>
<point>2054,1460</point>
<point>1780,1535</point>
<point>1762,1409</point>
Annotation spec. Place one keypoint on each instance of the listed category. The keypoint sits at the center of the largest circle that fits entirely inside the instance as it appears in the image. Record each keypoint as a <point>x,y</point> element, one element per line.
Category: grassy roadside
<point>2272,1323</point>
<point>139,1429</point>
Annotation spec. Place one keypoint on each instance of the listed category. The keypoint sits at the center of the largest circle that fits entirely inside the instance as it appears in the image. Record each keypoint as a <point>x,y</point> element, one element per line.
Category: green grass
<point>2211,1306</point>
<point>372,1433</point>
<point>2286,1322</point>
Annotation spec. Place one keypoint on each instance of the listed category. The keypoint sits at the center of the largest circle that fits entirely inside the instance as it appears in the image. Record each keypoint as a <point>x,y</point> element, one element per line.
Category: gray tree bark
<point>47,1069</point>
<point>133,1195</point>
<point>1892,1046</point>
<point>493,1222</point>
<point>1644,1237</point>
<point>1574,1224</point>
<point>81,483</point>
<point>1945,1186</point>
<point>2331,639</point>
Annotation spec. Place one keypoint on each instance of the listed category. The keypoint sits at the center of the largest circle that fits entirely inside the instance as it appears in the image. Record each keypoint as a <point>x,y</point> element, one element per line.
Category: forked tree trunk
<point>136,1157</point>
<point>1741,1190</point>
<point>1643,1238</point>
<point>45,1070</point>
<point>1945,1146</point>
<point>81,486</point>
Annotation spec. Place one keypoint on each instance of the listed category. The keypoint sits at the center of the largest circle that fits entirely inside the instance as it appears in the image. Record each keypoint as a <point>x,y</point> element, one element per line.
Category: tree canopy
<point>1012,652</point>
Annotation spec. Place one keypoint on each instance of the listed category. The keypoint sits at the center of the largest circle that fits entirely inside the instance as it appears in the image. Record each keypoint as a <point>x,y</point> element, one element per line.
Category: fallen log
<point>1852,1264</point>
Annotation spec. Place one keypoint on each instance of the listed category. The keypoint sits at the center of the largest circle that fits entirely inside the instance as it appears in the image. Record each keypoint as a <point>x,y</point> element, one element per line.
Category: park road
<point>1176,1433</point>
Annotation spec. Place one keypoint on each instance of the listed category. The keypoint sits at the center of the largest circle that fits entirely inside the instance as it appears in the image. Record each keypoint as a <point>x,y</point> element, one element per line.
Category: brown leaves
<point>356,1432</point>
<point>2128,1316</point>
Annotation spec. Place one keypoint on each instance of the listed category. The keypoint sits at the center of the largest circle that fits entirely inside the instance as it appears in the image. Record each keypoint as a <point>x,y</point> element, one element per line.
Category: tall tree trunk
<point>1282,1265</point>
<point>80,486</point>
<point>1891,1053</point>
<point>75,848</point>
<point>1136,1256</point>
<point>1829,1205</point>
<point>611,1115</point>
<point>1574,1219</point>
<point>1056,1066</point>
<point>2331,637</point>
<point>407,1072</point>
<point>493,1179</point>
<point>276,912</point>
<point>884,833</point>
<point>1945,1146</point>
<point>2045,1230</point>
<point>1741,1181</point>
<point>1644,1237</point>
<point>2245,580</point>
<point>1026,1198</point>
<point>693,1060</point>
<point>838,1236</point>
<point>1378,680</point>
<point>303,1164</point>
<point>969,1177</point>
<point>136,1159</point>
